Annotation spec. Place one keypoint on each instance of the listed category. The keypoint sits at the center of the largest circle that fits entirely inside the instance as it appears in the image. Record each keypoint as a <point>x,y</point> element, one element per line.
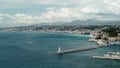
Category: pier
<point>106,58</point>
<point>76,50</point>
<point>109,56</point>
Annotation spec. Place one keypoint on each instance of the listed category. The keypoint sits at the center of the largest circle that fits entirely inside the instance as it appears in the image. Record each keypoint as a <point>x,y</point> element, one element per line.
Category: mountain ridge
<point>81,22</point>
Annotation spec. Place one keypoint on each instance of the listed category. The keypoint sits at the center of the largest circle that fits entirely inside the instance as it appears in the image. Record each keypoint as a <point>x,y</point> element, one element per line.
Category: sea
<point>38,50</point>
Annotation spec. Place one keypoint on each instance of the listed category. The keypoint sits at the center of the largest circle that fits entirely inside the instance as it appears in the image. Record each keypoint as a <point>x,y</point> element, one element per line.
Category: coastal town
<point>110,33</point>
<point>106,36</point>
<point>59,33</point>
<point>103,35</point>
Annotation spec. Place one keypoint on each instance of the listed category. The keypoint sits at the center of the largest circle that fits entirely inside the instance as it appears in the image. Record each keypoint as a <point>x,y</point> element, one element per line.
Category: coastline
<point>78,33</point>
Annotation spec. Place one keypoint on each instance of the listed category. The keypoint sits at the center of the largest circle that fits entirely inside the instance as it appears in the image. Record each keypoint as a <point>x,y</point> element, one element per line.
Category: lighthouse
<point>59,50</point>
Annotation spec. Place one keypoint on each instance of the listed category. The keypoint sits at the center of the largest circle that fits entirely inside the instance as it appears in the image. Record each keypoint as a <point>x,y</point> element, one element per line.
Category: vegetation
<point>112,31</point>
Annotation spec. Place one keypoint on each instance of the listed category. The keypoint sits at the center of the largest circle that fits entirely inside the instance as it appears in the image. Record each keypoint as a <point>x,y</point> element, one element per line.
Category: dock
<point>107,58</point>
<point>59,52</point>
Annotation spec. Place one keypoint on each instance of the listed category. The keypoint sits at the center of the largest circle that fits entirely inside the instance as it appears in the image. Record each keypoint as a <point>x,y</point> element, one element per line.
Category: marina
<point>109,56</point>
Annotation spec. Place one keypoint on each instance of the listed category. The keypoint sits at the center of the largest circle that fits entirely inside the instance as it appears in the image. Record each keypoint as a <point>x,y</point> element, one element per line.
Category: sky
<point>27,12</point>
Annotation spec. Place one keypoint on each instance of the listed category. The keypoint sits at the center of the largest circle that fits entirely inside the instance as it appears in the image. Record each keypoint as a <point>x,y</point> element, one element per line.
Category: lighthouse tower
<point>59,50</point>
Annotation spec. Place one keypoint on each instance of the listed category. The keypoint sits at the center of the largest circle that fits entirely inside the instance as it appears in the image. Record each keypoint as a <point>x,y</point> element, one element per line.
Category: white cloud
<point>53,15</point>
<point>113,5</point>
<point>22,18</point>
<point>102,5</point>
<point>68,10</point>
<point>17,19</point>
<point>90,10</point>
<point>58,2</point>
<point>67,14</point>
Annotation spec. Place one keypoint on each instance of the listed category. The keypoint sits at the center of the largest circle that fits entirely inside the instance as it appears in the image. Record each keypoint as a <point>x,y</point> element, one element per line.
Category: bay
<point>37,50</point>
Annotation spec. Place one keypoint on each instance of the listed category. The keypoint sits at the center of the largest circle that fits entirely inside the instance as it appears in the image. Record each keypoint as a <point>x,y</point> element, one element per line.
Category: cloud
<point>113,5</point>
<point>55,14</point>
<point>57,10</point>
<point>66,14</point>
<point>52,15</point>
<point>17,19</point>
<point>104,6</point>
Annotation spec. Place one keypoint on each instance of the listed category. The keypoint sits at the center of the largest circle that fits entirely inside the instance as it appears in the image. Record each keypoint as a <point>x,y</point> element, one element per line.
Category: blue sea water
<point>37,50</point>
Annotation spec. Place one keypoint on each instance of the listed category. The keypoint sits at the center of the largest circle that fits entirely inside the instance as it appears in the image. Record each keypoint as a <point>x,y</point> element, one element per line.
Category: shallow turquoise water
<point>37,50</point>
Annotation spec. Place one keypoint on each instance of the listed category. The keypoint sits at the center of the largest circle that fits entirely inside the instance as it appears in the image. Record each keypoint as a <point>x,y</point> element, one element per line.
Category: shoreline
<point>64,32</point>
